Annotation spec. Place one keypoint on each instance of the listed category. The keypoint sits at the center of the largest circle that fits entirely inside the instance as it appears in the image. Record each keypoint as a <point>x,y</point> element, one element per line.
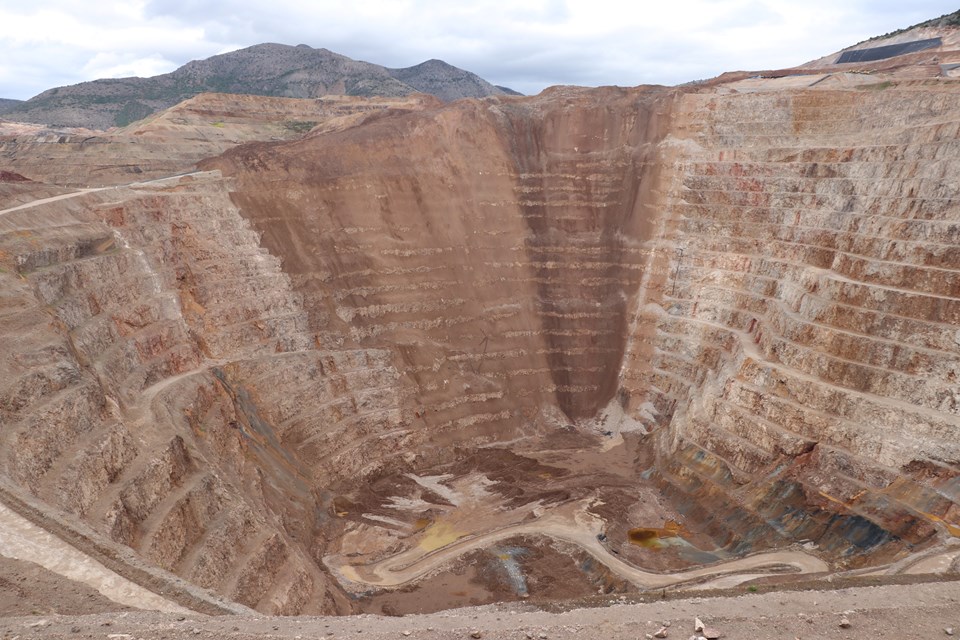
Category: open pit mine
<point>394,355</point>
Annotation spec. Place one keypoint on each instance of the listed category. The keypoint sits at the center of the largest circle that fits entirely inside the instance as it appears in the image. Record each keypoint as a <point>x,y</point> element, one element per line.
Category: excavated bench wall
<point>766,281</point>
<point>806,353</point>
<point>495,247</point>
<point>769,279</point>
<point>168,382</point>
<point>139,329</point>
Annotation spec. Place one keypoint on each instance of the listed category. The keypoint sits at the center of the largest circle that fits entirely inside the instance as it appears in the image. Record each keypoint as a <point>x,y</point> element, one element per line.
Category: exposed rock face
<point>804,350</point>
<point>502,269</point>
<point>113,411</point>
<point>323,348</point>
<point>741,294</point>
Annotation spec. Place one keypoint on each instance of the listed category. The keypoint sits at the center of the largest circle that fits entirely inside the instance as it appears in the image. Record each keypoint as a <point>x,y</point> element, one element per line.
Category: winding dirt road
<point>569,523</point>
<point>62,196</point>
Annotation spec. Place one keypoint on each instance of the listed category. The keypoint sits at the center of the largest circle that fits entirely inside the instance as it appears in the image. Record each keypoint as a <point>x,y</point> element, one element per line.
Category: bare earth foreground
<point>918,611</point>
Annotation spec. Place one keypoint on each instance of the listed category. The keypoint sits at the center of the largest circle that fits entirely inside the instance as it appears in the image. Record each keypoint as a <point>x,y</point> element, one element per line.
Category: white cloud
<point>123,65</point>
<point>526,44</point>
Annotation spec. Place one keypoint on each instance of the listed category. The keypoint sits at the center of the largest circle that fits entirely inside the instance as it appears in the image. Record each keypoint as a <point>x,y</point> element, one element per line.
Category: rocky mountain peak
<point>268,69</point>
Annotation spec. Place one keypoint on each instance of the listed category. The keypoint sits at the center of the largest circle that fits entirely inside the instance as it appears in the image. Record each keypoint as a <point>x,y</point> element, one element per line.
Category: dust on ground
<point>29,589</point>
<point>925,611</point>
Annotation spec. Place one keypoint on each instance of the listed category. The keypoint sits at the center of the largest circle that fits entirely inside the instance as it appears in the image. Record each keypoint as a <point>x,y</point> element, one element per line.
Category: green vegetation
<point>752,588</point>
<point>299,126</point>
<point>131,112</point>
<point>224,83</point>
<point>877,86</point>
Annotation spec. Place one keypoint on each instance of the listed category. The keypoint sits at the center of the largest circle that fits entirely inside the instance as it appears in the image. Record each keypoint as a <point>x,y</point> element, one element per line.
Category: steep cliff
<point>760,278</point>
<point>805,353</point>
<point>508,258</point>
<point>589,340</point>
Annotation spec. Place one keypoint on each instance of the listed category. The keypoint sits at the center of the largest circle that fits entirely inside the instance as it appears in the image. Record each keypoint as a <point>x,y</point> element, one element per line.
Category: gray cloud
<point>525,44</point>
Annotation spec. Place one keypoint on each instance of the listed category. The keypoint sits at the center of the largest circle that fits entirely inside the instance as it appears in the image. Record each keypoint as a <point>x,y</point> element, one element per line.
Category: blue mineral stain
<point>259,434</point>
<point>508,560</point>
<point>950,489</point>
<point>696,555</point>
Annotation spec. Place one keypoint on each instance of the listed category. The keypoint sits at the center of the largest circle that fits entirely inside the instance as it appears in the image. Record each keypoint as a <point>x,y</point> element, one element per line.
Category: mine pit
<point>596,341</point>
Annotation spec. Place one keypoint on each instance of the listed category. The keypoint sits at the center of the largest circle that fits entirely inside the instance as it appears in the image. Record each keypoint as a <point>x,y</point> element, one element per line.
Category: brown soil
<point>872,612</point>
<point>10,176</point>
<point>398,512</point>
<point>29,589</point>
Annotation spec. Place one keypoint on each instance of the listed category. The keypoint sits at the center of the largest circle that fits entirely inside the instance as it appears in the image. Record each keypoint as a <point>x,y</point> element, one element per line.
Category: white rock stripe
<point>20,539</point>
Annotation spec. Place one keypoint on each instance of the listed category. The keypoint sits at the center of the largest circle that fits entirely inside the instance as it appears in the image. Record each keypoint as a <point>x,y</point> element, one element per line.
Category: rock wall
<point>494,247</point>
<point>805,354</point>
<point>765,278</point>
<point>138,326</point>
<point>767,282</point>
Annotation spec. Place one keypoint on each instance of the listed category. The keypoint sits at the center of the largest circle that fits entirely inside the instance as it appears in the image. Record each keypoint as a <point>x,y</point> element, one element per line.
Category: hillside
<point>9,104</point>
<point>266,70</point>
<point>445,81</point>
<point>946,20</point>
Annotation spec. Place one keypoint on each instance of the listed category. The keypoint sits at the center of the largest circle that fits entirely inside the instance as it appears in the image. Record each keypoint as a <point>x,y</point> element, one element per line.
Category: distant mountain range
<point>6,104</point>
<point>263,69</point>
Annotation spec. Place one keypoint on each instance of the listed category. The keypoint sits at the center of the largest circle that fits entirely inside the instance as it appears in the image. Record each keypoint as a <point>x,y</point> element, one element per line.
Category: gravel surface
<point>915,611</point>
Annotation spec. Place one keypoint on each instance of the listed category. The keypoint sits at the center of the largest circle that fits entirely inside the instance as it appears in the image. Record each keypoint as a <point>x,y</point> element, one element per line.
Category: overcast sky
<point>523,44</point>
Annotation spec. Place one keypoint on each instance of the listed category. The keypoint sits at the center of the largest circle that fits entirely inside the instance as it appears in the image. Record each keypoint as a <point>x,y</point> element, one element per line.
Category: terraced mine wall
<point>806,349</point>
<point>767,283</point>
<point>493,246</point>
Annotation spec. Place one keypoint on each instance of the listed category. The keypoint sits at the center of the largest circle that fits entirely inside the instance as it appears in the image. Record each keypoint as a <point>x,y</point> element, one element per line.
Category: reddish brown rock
<point>415,323</point>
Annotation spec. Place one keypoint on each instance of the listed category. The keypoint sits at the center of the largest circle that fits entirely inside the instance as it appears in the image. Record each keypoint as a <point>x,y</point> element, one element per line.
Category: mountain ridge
<point>9,104</point>
<point>267,69</point>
